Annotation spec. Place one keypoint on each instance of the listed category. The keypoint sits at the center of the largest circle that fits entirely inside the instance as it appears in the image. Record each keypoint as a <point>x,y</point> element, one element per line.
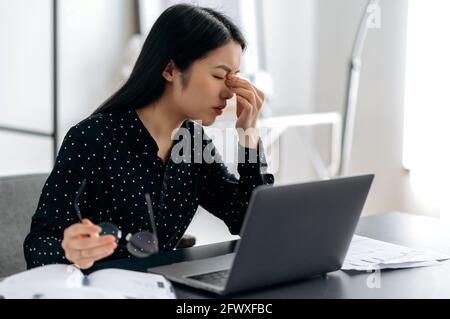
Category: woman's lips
<point>219,109</point>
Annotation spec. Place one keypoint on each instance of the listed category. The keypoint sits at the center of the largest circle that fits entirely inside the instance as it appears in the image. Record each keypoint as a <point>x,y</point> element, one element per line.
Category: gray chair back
<point>19,196</point>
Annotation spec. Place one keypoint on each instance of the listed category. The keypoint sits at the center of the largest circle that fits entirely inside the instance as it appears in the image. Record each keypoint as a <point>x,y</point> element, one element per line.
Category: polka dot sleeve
<point>227,197</point>
<point>55,211</point>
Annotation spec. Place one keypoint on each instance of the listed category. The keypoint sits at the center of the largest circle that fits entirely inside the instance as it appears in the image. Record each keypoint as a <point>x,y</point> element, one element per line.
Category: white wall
<point>289,43</point>
<point>94,35</point>
<point>93,38</point>
<point>25,84</point>
<point>25,64</point>
<point>309,45</point>
<point>289,28</point>
<point>379,121</point>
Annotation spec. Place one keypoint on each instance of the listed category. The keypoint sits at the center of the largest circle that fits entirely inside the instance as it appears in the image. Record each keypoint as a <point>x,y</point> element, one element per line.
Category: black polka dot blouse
<point>118,157</point>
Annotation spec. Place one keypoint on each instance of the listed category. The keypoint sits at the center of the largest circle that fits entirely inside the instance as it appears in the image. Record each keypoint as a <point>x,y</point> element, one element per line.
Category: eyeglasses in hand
<point>141,244</point>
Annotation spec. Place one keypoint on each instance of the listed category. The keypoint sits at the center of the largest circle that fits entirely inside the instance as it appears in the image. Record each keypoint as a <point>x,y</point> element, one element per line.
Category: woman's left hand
<point>249,102</point>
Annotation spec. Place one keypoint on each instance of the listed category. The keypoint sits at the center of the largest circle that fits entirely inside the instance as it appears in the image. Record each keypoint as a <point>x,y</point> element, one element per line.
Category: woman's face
<point>205,93</point>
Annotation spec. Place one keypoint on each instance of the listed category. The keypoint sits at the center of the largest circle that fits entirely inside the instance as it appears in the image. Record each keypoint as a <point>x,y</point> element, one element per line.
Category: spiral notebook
<point>61,281</point>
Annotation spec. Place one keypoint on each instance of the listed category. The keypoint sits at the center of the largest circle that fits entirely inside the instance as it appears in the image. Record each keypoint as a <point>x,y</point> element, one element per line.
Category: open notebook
<point>68,282</point>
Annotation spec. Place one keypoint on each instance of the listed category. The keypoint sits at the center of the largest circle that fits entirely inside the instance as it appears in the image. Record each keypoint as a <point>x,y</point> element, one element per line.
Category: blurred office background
<point>304,46</point>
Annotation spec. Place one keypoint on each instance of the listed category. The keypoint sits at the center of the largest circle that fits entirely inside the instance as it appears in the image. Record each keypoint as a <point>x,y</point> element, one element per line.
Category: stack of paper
<point>369,254</point>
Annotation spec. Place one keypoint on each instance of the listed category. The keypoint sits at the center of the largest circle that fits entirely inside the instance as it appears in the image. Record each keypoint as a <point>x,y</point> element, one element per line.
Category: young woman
<point>186,72</point>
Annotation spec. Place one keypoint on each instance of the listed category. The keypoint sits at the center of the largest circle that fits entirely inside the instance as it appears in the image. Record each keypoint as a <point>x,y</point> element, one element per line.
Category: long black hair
<point>183,33</point>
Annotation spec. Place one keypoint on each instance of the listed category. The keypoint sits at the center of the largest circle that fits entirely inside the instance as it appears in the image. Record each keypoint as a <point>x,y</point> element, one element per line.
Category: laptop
<point>289,232</point>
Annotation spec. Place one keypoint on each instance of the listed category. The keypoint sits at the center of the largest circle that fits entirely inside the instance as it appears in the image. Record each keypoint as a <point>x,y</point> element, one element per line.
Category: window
<point>25,87</point>
<point>427,100</point>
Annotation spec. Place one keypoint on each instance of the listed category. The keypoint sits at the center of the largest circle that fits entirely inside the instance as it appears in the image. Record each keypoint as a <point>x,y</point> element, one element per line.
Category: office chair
<point>19,196</point>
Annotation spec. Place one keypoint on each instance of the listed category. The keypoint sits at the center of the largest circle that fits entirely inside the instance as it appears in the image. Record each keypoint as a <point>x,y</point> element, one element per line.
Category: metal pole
<point>55,133</point>
<point>349,113</point>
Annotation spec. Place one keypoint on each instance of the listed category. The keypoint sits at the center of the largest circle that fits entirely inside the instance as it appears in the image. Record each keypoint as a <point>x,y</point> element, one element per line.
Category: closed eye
<point>219,78</point>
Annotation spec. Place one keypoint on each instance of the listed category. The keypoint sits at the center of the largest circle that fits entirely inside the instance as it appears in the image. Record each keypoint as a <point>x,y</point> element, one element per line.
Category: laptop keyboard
<point>216,278</point>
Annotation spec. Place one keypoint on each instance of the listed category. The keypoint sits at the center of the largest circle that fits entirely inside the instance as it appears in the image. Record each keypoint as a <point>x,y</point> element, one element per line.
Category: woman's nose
<point>227,93</point>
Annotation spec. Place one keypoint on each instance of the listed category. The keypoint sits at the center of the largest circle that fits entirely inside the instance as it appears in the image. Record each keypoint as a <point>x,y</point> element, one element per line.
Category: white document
<point>370,254</point>
<point>68,282</point>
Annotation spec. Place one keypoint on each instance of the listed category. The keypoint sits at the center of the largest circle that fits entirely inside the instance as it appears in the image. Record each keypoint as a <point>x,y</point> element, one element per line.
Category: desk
<point>399,228</point>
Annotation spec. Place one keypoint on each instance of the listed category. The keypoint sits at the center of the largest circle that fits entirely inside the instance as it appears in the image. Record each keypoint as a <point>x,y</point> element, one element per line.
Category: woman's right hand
<point>83,246</point>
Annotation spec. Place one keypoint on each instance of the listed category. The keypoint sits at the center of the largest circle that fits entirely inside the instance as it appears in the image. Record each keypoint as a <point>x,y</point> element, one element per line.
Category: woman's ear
<point>169,71</point>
